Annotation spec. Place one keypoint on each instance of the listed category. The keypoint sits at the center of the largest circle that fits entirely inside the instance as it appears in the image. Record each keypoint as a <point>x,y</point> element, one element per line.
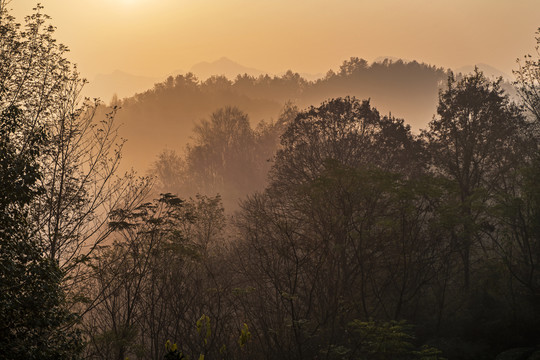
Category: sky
<point>159,37</point>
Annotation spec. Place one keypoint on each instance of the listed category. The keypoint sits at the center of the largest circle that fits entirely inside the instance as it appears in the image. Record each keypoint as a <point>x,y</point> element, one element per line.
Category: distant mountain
<point>223,66</point>
<point>123,84</point>
<point>230,69</point>
<point>488,70</point>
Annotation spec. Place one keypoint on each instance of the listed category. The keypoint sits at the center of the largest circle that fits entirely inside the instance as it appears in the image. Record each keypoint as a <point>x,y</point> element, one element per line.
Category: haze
<point>156,38</point>
<point>265,180</point>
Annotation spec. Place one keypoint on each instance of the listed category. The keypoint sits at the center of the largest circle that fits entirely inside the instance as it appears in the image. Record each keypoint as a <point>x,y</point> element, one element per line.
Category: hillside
<point>163,117</point>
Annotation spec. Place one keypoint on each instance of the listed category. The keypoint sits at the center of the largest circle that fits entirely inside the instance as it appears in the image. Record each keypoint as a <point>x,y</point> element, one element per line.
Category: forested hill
<point>163,117</point>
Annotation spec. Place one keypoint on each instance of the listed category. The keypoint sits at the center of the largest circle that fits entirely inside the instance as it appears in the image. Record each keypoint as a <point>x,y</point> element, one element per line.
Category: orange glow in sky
<point>157,37</point>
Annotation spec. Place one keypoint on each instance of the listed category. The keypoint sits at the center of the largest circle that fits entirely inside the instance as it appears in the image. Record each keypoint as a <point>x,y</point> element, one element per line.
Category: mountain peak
<point>224,59</point>
<point>223,66</point>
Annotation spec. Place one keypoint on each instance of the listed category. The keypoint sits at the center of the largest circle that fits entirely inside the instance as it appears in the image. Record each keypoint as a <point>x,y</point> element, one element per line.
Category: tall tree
<point>228,156</point>
<point>528,80</point>
<point>477,141</point>
<point>158,277</point>
<point>322,244</point>
<point>347,131</point>
<point>81,157</point>
<point>33,318</point>
<point>518,210</point>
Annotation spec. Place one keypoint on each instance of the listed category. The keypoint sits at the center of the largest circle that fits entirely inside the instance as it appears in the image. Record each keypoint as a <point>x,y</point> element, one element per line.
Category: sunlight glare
<point>129,2</point>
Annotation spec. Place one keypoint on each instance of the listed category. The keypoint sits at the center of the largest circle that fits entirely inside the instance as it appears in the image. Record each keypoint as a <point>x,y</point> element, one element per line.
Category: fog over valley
<point>163,115</point>
<point>269,180</point>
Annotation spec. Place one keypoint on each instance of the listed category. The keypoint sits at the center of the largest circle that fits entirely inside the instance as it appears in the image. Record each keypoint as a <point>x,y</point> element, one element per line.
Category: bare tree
<point>80,160</point>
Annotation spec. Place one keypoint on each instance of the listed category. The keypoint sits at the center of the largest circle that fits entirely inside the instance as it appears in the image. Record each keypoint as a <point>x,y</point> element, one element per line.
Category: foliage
<point>33,316</point>
<point>360,220</point>
<point>172,352</point>
<point>32,313</point>
<point>388,340</point>
<point>477,142</point>
<point>245,336</point>
<point>341,231</point>
<point>156,277</point>
<point>528,80</point>
<point>79,161</point>
<point>228,157</point>
<point>405,88</point>
<point>518,215</point>
<point>362,229</point>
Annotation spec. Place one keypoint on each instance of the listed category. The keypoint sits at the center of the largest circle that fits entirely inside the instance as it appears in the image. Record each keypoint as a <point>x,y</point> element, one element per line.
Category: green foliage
<point>245,336</point>
<point>203,328</point>
<point>388,341</point>
<point>173,352</point>
<point>34,322</point>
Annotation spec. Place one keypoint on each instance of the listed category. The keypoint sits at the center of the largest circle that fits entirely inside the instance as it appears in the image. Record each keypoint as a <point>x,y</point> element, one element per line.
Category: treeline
<point>366,242</point>
<point>164,116</point>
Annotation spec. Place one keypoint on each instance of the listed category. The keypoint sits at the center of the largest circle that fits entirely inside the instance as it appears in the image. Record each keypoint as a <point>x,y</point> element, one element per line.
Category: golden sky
<point>157,37</point>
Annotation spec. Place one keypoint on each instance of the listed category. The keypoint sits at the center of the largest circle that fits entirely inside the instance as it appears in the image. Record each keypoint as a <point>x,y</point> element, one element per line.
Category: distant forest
<point>163,117</point>
<point>164,124</point>
<point>328,231</point>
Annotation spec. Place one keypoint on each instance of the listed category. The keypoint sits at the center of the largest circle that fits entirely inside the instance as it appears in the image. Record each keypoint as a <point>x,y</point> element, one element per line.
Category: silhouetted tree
<point>352,66</point>
<point>80,160</point>
<point>33,316</point>
<point>34,322</point>
<point>228,157</point>
<point>527,80</point>
<point>477,142</point>
<point>347,131</point>
<point>160,276</point>
<point>340,232</point>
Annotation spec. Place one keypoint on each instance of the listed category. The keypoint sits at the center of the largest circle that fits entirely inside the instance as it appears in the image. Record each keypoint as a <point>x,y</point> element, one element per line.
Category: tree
<point>158,277</point>
<point>73,182</point>
<point>228,157</point>
<point>127,275</point>
<point>352,66</point>
<point>347,131</point>
<point>518,235</point>
<point>528,81</point>
<point>477,142</point>
<point>33,318</point>
<point>79,161</point>
<point>518,209</point>
<point>340,232</point>
<point>169,171</point>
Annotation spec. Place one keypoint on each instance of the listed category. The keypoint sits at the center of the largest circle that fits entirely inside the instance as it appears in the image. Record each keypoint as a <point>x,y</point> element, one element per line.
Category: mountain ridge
<point>124,84</point>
